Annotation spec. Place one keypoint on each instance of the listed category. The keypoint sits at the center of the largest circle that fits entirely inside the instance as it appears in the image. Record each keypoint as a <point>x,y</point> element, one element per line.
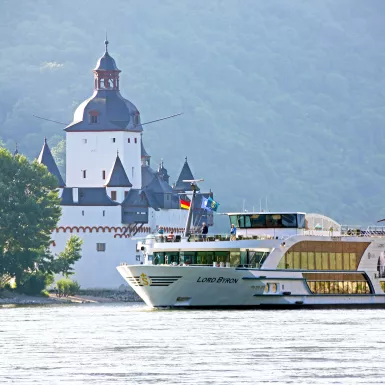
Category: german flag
<point>184,204</point>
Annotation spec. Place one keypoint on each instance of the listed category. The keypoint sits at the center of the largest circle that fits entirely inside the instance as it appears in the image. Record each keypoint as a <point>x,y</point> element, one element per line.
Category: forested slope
<point>283,99</point>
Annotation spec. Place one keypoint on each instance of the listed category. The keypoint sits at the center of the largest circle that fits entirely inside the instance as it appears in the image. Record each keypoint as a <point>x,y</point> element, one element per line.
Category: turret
<point>47,159</point>
<point>118,185</point>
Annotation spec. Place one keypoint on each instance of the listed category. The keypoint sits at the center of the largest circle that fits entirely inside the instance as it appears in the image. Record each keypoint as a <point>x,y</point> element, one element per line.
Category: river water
<point>131,344</point>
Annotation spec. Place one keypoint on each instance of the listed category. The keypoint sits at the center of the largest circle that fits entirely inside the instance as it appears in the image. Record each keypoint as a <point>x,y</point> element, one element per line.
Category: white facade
<point>90,157</point>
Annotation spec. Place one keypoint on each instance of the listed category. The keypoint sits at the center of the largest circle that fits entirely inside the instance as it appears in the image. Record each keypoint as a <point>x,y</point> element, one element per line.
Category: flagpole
<point>194,188</point>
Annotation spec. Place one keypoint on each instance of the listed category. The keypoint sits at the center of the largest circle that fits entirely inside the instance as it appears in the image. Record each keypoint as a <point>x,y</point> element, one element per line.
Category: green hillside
<point>283,99</point>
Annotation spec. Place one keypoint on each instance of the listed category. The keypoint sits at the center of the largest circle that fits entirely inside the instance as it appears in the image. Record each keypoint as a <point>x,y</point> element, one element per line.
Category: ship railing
<point>213,237</point>
<point>360,231</point>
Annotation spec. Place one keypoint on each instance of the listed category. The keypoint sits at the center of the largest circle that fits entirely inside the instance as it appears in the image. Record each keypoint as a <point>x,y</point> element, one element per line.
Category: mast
<point>194,188</point>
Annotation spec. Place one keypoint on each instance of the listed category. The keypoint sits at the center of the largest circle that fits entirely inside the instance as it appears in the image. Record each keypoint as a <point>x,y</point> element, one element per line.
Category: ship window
<point>301,221</point>
<point>337,283</point>
<point>258,220</point>
<point>323,255</point>
<point>113,195</point>
<point>272,287</point>
<point>100,247</point>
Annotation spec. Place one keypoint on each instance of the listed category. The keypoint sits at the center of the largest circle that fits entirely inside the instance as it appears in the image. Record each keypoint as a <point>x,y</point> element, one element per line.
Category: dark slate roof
<point>135,197</point>
<point>185,174</point>
<point>88,196</point>
<point>114,113</point>
<point>148,174</point>
<point>144,153</point>
<point>118,177</point>
<point>151,198</point>
<point>47,159</point>
<point>159,186</point>
<point>106,62</point>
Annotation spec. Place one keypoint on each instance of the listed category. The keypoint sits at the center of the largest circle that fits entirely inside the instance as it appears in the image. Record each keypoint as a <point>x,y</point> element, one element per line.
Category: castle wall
<point>97,269</point>
<point>174,218</point>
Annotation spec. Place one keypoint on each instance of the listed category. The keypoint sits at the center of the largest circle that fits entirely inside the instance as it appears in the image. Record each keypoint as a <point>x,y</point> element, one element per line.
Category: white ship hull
<point>196,286</point>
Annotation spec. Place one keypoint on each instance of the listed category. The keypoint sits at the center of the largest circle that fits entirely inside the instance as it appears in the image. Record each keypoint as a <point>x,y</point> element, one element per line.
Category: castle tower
<point>102,125</point>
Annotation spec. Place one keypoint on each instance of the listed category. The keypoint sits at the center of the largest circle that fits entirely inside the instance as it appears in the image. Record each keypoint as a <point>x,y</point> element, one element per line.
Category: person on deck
<point>171,237</point>
<point>204,231</point>
<point>233,233</point>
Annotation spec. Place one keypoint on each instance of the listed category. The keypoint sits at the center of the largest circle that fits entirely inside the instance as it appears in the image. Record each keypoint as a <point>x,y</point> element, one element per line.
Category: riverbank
<point>84,296</point>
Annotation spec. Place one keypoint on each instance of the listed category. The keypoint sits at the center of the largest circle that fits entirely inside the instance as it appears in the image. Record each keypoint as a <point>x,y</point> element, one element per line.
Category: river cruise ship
<point>276,259</point>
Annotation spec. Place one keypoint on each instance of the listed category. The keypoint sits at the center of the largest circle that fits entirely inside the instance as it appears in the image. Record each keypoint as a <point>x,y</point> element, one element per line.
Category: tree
<point>71,254</point>
<point>29,211</point>
<point>59,154</point>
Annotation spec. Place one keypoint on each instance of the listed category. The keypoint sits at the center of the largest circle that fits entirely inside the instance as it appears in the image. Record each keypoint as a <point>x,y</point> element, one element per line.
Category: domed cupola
<point>106,72</point>
<point>106,109</point>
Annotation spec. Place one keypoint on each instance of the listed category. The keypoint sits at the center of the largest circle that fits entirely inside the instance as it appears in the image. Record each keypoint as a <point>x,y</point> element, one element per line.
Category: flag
<point>204,204</point>
<point>184,204</point>
<point>211,204</point>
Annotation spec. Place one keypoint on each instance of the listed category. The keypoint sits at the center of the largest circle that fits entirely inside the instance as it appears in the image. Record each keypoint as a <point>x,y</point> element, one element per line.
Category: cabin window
<point>84,172</point>
<point>337,283</point>
<point>323,255</point>
<point>103,174</point>
<point>257,221</point>
<point>113,195</point>
<point>272,287</point>
<point>100,247</point>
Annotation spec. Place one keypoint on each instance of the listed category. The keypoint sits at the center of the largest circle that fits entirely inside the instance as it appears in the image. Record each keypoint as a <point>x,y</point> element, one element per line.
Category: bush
<point>66,287</point>
<point>34,283</point>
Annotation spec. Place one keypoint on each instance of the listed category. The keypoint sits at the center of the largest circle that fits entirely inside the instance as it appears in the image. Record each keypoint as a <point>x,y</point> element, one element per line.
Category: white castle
<point>111,193</point>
